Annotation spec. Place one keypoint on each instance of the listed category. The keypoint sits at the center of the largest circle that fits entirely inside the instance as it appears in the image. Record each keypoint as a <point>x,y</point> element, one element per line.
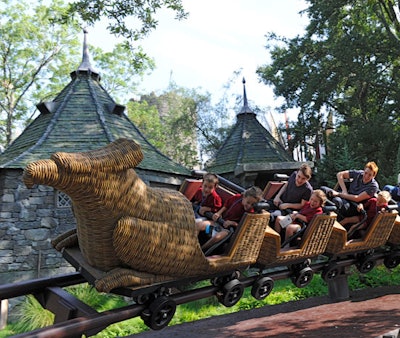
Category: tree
<point>29,43</point>
<point>37,55</point>
<point>216,121</point>
<point>121,69</point>
<point>169,122</point>
<point>347,63</point>
<point>131,19</point>
<point>186,116</point>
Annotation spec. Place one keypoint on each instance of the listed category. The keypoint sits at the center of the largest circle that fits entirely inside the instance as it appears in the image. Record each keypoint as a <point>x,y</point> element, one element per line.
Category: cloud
<point>218,38</point>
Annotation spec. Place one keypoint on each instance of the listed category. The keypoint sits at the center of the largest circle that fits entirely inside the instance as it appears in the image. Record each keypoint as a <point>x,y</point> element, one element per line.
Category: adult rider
<point>362,187</point>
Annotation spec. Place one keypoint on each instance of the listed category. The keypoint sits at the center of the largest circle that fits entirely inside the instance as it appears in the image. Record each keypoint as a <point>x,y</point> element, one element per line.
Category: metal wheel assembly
<point>231,293</point>
<point>303,277</point>
<point>365,264</point>
<point>392,260</point>
<point>330,272</point>
<point>262,287</point>
<point>159,313</point>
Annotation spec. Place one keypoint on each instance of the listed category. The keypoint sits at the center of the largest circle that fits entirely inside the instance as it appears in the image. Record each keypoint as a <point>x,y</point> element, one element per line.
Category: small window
<point>63,200</point>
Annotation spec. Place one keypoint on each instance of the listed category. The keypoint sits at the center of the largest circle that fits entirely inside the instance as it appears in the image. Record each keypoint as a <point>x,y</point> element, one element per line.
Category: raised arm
<point>341,176</point>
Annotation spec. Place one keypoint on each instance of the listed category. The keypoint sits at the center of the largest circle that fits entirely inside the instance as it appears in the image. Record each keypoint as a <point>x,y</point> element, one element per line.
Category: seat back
<point>224,193</point>
<point>347,182</point>
<point>317,234</point>
<point>379,230</point>
<point>394,238</point>
<point>246,241</point>
<point>271,189</point>
<point>189,187</point>
<point>376,235</point>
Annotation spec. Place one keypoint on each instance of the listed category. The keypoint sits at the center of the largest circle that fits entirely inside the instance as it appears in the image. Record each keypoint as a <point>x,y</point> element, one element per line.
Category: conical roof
<point>82,117</point>
<point>249,146</point>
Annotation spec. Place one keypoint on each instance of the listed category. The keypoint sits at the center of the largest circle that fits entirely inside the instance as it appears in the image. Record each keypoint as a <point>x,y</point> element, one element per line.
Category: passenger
<point>394,190</point>
<point>371,207</point>
<point>294,194</point>
<point>305,215</point>
<point>362,187</point>
<point>228,216</point>
<point>206,197</point>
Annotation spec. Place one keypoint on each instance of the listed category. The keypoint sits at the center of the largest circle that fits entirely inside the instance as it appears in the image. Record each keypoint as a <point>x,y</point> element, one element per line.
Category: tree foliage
<point>32,50</point>
<point>169,122</point>
<point>131,19</point>
<point>121,69</point>
<point>184,123</point>
<point>37,54</point>
<point>347,63</point>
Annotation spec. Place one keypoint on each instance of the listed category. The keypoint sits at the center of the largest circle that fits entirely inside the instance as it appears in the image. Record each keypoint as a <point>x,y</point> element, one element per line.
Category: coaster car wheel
<point>231,293</point>
<point>159,313</point>
<point>330,272</point>
<point>262,287</point>
<point>303,277</point>
<point>392,260</point>
<point>365,264</point>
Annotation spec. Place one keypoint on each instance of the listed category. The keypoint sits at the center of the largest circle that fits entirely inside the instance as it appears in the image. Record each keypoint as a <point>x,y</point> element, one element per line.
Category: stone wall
<point>29,219</point>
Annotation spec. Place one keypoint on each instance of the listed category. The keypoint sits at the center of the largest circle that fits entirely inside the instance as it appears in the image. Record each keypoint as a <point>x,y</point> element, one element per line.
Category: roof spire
<point>85,64</point>
<point>245,109</point>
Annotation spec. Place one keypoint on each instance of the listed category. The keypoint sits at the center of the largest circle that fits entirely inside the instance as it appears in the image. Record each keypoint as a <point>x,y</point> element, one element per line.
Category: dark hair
<point>306,170</point>
<point>254,192</point>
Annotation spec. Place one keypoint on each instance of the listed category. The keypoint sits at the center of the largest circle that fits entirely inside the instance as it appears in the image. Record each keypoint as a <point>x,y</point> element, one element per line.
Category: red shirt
<point>234,209</point>
<point>372,209</point>
<point>213,200</point>
<point>309,212</point>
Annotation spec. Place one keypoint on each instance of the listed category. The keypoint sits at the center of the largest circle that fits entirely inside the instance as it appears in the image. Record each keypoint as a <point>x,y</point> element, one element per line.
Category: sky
<point>218,38</point>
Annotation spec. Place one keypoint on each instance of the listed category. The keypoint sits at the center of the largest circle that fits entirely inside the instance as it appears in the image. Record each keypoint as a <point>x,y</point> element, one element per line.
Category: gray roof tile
<point>248,143</point>
<point>82,117</point>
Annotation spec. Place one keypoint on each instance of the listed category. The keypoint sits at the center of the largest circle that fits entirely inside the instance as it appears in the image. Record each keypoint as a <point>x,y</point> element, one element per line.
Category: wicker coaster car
<point>393,244</point>
<point>313,242</point>
<point>362,249</point>
<point>137,234</point>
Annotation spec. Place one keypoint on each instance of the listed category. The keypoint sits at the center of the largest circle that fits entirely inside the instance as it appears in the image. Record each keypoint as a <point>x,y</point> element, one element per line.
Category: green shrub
<point>31,316</point>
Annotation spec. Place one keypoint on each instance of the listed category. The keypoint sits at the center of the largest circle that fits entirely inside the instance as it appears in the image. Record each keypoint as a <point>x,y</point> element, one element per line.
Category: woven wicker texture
<point>376,235</point>
<point>137,233</point>
<point>313,243</point>
<point>394,237</point>
<point>183,261</point>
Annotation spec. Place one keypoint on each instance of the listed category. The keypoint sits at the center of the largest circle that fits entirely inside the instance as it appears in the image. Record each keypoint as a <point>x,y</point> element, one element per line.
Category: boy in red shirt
<point>207,198</point>
<point>372,207</point>
<point>306,213</point>
<point>229,215</point>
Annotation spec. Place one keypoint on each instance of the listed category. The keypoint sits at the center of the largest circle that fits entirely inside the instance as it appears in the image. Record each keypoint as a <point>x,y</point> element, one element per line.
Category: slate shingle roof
<point>82,117</point>
<point>248,143</point>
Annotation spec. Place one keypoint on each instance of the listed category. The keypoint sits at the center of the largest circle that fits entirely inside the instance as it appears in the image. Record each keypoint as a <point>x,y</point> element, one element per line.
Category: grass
<point>32,316</point>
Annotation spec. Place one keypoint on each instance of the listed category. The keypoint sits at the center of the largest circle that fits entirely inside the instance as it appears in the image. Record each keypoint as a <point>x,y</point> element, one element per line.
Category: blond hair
<point>321,196</point>
<point>385,195</point>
